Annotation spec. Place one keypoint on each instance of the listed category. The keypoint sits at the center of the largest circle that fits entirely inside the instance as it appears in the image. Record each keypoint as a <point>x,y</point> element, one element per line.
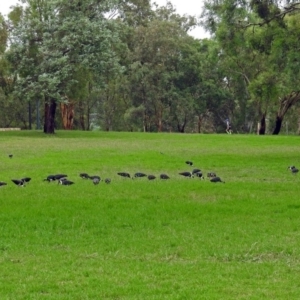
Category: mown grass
<point>140,239</point>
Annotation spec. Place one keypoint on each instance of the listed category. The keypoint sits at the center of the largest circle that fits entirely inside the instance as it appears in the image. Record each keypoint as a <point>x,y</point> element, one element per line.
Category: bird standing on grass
<point>216,179</point>
<point>18,182</point>
<point>26,179</point>
<point>10,156</point>
<point>199,175</point>
<point>196,171</point>
<point>2,183</point>
<point>186,174</point>
<point>151,177</point>
<point>95,177</point>
<point>139,174</point>
<point>96,180</point>
<point>65,181</point>
<point>211,175</point>
<point>50,178</point>
<point>60,176</point>
<point>84,175</point>
<point>188,162</point>
<point>164,176</point>
<point>124,174</point>
<point>293,169</point>
<point>107,180</point>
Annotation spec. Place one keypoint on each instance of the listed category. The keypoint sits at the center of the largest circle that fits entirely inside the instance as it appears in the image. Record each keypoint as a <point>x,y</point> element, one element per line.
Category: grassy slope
<point>136,239</point>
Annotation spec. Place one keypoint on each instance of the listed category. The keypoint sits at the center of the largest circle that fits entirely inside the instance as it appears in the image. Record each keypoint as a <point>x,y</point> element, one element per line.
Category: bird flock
<point>62,179</point>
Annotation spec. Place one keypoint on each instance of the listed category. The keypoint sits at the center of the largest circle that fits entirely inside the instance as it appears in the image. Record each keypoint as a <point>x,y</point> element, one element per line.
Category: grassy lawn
<point>140,239</point>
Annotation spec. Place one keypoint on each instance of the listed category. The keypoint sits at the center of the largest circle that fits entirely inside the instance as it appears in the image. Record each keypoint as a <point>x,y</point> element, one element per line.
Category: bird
<point>186,174</point>
<point>139,174</point>
<point>199,174</point>
<point>26,179</point>
<point>124,174</point>
<point>107,180</point>
<point>18,182</point>
<point>151,177</point>
<point>95,177</point>
<point>293,169</point>
<point>84,175</point>
<point>65,181</point>
<point>196,171</point>
<point>211,175</point>
<point>60,180</point>
<point>2,183</point>
<point>164,176</point>
<point>10,156</point>
<point>50,178</point>
<point>96,180</point>
<point>188,162</point>
<point>216,179</point>
<point>59,176</point>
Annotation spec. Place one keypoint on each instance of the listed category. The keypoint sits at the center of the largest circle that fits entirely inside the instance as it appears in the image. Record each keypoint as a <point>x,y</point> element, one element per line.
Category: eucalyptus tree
<point>155,54</point>
<point>214,100</point>
<point>52,41</point>
<point>258,41</point>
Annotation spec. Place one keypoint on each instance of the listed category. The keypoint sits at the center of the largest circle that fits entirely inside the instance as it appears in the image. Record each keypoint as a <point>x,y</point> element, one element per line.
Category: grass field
<point>140,239</point>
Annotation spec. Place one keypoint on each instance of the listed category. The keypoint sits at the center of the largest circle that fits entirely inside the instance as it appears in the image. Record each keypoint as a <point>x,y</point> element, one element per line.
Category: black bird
<point>95,177</point>
<point>96,180</point>
<point>124,174</point>
<point>18,182</point>
<point>26,179</point>
<point>84,175</point>
<point>107,180</point>
<point>151,177</point>
<point>65,181</point>
<point>216,179</point>
<point>61,180</point>
<point>139,174</point>
<point>196,171</point>
<point>211,175</point>
<point>293,169</point>
<point>60,176</point>
<point>186,174</point>
<point>189,162</point>
<point>2,183</point>
<point>50,178</point>
<point>164,176</point>
<point>10,156</point>
<point>199,174</point>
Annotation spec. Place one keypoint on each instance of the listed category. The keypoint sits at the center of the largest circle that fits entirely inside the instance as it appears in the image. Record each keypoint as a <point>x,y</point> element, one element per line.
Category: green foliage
<point>54,41</point>
<point>140,239</point>
<point>258,45</point>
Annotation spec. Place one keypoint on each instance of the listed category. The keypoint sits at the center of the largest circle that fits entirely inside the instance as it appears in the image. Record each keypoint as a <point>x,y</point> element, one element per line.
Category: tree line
<point>132,66</point>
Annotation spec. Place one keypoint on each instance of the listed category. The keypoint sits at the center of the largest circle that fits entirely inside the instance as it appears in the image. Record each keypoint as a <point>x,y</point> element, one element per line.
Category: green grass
<point>140,239</point>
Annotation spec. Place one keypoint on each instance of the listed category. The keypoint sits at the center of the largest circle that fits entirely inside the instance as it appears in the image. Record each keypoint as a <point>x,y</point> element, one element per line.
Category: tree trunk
<point>81,115</point>
<point>180,127</point>
<point>277,125</point>
<point>67,114</point>
<point>145,122</point>
<point>50,109</point>
<point>159,123</point>
<point>262,126</point>
<point>285,104</point>
<point>298,131</point>
<point>199,124</point>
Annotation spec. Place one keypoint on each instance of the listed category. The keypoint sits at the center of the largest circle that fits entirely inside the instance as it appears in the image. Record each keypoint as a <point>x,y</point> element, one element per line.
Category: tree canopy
<point>132,65</point>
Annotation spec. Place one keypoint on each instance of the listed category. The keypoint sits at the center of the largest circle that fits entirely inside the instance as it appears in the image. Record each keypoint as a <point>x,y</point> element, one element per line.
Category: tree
<point>52,41</point>
<point>154,56</point>
<point>259,41</point>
